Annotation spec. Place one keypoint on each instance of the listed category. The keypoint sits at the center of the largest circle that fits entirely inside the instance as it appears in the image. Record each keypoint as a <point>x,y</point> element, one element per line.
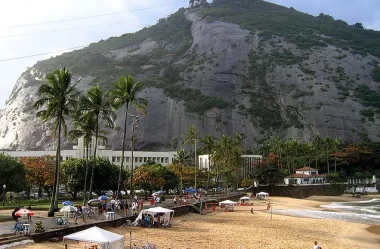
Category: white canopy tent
<point>167,214</point>
<point>96,235</point>
<point>228,202</point>
<point>245,198</point>
<point>262,195</point>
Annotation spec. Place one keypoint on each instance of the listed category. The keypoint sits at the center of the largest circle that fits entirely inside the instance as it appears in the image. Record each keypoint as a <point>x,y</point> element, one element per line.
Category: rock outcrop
<point>217,76</point>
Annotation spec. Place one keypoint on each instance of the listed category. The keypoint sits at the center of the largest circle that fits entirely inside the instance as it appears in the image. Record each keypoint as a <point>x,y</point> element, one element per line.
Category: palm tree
<point>236,151</point>
<point>98,105</point>
<point>125,94</point>
<point>209,145</point>
<point>182,158</point>
<point>59,97</point>
<point>85,128</point>
<point>317,142</point>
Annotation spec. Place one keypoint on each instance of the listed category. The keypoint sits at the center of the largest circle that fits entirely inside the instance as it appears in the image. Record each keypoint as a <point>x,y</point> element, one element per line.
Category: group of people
<point>149,220</point>
<point>179,200</point>
<point>82,211</point>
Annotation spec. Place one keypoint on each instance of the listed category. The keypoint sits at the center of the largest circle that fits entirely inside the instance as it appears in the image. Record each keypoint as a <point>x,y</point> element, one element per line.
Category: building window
<point>118,159</point>
<point>140,159</point>
<point>145,159</point>
<point>166,159</point>
<point>162,160</point>
<point>136,159</point>
<point>127,159</point>
<point>113,159</point>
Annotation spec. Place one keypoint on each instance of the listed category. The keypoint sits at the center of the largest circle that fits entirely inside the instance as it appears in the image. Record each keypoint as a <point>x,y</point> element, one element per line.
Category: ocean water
<point>367,212</point>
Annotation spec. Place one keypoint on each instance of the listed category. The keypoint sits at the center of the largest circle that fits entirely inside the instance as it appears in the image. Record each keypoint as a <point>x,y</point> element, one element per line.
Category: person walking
<point>316,246</point>
<point>28,215</point>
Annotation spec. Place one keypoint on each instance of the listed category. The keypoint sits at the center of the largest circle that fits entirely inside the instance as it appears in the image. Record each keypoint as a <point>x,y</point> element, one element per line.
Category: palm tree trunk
<point>85,178</point>
<point>122,155</point>
<point>95,148</point>
<point>208,173</point>
<point>327,161</point>
<point>54,197</point>
<point>181,182</point>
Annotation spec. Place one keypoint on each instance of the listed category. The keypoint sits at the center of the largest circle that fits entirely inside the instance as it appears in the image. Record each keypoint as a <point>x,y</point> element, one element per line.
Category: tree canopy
<point>12,174</point>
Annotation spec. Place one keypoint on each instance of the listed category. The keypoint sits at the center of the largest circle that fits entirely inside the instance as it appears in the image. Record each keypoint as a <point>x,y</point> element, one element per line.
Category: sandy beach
<point>241,229</point>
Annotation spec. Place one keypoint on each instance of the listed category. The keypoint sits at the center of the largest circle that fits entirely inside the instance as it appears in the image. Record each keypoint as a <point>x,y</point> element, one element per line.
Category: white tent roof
<point>158,210</point>
<point>262,193</point>
<point>96,235</point>
<point>227,202</point>
<point>245,198</point>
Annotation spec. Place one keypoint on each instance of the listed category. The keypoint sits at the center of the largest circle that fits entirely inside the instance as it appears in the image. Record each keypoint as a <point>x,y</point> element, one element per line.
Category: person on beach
<point>316,246</point>
<point>28,214</point>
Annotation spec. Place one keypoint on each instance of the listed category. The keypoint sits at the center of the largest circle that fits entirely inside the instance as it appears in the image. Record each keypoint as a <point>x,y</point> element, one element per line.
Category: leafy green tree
<point>59,98</point>
<point>98,105</point>
<point>171,180</point>
<point>267,174</point>
<point>124,94</point>
<point>74,172</point>
<point>148,179</point>
<point>105,175</point>
<point>12,174</point>
<point>335,177</point>
<point>39,172</point>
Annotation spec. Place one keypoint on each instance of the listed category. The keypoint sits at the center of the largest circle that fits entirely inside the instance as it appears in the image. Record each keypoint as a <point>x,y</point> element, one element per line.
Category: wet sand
<point>227,230</point>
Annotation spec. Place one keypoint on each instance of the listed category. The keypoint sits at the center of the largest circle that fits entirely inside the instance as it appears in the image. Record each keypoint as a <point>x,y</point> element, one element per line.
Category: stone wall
<point>302,191</point>
<point>59,233</point>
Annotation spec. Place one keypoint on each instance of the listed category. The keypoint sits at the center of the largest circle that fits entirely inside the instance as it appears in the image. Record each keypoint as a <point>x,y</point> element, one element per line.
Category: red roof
<point>306,169</point>
<point>305,176</point>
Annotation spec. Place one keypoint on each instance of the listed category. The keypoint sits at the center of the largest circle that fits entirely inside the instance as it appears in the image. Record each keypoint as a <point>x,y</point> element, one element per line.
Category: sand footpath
<point>241,229</point>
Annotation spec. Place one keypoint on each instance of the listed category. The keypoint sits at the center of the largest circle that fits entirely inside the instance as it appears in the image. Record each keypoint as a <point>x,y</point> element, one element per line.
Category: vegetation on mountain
<point>306,31</point>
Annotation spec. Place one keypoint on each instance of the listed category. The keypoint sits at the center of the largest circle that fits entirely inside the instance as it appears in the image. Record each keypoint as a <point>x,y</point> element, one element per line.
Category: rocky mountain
<point>236,66</point>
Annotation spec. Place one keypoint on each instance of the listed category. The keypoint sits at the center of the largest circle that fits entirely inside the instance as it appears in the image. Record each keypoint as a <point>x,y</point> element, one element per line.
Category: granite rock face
<point>220,64</point>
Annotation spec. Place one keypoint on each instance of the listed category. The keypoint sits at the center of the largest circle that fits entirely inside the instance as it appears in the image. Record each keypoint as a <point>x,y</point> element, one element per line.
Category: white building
<point>247,163</point>
<point>305,175</point>
<point>79,151</point>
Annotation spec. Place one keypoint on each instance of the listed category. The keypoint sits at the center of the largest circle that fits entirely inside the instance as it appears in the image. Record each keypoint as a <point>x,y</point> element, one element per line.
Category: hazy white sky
<point>22,17</point>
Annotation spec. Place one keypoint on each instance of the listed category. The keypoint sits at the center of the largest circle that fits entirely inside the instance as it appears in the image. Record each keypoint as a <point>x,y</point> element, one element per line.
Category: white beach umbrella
<point>68,209</point>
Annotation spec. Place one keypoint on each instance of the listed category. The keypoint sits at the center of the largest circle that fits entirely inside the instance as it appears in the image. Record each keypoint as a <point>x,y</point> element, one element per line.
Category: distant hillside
<point>237,66</point>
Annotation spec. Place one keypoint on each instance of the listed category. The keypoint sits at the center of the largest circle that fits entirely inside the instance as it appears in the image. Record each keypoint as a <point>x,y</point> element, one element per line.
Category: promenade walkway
<point>49,223</point>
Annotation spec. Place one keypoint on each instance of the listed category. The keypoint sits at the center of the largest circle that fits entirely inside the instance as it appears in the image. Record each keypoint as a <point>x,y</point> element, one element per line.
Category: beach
<point>242,229</point>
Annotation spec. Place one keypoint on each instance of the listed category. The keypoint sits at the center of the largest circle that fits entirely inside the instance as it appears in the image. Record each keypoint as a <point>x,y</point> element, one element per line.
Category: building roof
<point>306,169</point>
<point>305,176</point>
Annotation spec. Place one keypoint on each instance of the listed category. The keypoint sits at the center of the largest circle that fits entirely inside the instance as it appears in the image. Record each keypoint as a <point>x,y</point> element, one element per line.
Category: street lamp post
<point>135,119</point>
<point>4,187</point>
